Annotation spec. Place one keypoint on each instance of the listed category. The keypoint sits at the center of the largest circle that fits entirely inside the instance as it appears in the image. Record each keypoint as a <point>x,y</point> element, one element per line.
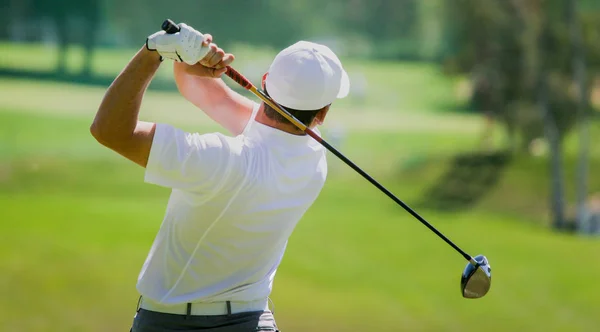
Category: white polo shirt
<point>234,203</point>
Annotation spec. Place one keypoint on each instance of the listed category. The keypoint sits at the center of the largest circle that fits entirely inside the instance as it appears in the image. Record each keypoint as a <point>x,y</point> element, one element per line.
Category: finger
<point>226,61</point>
<point>216,58</point>
<point>208,38</point>
<point>212,48</point>
<point>218,72</point>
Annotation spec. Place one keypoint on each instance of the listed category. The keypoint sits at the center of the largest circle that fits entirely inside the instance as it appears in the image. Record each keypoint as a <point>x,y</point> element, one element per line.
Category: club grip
<point>239,78</point>
<point>170,27</point>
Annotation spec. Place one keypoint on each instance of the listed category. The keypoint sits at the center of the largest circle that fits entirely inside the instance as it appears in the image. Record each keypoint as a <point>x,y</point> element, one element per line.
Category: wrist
<point>151,55</point>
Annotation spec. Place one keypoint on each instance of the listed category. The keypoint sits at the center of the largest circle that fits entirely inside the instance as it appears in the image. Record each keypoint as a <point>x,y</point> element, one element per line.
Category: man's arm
<point>225,106</point>
<point>116,124</point>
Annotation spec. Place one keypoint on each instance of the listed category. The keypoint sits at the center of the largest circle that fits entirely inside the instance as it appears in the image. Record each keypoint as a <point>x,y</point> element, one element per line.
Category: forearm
<point>117,116</point>
<point>204,91</point>
<point>223,105</point>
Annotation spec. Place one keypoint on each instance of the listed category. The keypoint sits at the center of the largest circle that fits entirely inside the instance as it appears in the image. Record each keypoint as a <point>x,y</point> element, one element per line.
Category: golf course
<point>78,220</point>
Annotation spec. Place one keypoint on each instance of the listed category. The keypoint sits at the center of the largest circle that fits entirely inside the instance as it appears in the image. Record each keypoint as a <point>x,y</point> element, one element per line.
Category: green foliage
<point>391,29</point>
<point>506,45</point>
<point>591,36</point>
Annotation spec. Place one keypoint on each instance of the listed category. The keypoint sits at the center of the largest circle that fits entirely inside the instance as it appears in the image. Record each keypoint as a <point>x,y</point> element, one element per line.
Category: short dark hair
<point>304,116</point>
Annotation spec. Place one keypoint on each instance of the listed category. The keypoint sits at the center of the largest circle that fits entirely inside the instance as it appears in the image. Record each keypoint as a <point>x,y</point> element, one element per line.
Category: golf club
<point>476,278</point>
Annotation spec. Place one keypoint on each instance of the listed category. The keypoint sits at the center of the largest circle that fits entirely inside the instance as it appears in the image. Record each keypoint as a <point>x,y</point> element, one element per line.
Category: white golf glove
<point>183,46</point>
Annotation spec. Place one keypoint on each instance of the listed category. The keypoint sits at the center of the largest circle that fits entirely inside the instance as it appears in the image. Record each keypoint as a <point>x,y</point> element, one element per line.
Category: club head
<point>476,278</point>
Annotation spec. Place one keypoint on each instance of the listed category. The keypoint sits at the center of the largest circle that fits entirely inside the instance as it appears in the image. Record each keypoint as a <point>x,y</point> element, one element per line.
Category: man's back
<point>235,200</point>
<point>234,204</point>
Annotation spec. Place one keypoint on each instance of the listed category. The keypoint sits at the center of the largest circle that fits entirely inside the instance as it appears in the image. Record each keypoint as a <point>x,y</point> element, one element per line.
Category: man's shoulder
<point>202,146</point>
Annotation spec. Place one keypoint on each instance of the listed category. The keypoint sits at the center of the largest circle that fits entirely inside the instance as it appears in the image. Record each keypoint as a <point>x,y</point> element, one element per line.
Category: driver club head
<point>476,278</point>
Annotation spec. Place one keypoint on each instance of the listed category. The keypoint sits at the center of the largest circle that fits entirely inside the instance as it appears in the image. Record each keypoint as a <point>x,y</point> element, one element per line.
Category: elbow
<point>98,134</point>
<point>95,132</point>
<point>109,136</point>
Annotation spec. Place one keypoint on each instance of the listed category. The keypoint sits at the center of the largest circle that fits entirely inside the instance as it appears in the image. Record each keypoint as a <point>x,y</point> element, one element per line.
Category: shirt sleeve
<point>248,125</point>
<point>189,161</point>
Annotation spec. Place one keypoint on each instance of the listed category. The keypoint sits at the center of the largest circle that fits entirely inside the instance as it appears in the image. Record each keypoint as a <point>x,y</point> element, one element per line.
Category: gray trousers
<point>150,321</point>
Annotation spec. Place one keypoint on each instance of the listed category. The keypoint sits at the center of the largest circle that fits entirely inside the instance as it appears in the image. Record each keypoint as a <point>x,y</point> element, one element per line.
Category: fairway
<point>78,221</point>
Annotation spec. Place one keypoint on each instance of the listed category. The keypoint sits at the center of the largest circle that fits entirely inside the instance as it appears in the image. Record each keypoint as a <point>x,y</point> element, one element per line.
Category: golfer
<point>235,198</point>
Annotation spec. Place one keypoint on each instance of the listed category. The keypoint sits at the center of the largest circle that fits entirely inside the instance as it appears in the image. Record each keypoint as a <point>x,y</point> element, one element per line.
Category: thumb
<point>198,70</point>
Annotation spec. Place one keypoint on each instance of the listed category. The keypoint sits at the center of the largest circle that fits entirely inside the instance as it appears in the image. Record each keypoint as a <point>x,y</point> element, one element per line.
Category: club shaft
<point>386,191</point>
<point>171,27</point>
<point>348,162</point>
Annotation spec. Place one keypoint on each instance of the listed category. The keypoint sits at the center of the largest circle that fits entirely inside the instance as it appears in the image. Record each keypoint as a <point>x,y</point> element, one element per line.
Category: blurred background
<point>480,114</point>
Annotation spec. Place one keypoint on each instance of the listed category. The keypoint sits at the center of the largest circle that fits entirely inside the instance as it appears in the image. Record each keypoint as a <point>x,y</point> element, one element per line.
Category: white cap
<point>306,76</point>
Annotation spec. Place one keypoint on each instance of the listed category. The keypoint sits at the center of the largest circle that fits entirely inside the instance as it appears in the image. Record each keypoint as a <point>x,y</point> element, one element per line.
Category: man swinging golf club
<point>235,198</point>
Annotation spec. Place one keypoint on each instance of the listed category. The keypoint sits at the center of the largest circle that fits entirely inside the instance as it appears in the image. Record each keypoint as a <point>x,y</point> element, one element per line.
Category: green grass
<point>78,221</point>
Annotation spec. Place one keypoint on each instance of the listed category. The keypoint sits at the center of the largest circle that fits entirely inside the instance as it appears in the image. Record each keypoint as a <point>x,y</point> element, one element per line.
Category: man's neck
<point>261,117</point>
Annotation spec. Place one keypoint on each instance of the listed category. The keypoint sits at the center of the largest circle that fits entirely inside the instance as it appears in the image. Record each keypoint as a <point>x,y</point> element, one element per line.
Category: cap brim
<point>344,85</point>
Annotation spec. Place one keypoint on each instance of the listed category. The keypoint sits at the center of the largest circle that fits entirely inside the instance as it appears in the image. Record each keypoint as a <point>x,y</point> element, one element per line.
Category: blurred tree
<point>430,29</point>
<point>391,24</point>
<point>586,60</point>
<point>487,44</point>
<point>72,22</point>
<point>525,60</point>
<point>260,22</point>
<point>88,14</point>
<point>579,74</point>
<point>545,61</point>
<point>494,42</point>
<point>387,28</point>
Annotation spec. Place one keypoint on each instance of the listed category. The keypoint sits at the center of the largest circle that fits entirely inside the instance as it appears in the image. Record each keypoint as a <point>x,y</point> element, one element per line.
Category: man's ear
<point>320,118</point>
<point>264,80</point>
